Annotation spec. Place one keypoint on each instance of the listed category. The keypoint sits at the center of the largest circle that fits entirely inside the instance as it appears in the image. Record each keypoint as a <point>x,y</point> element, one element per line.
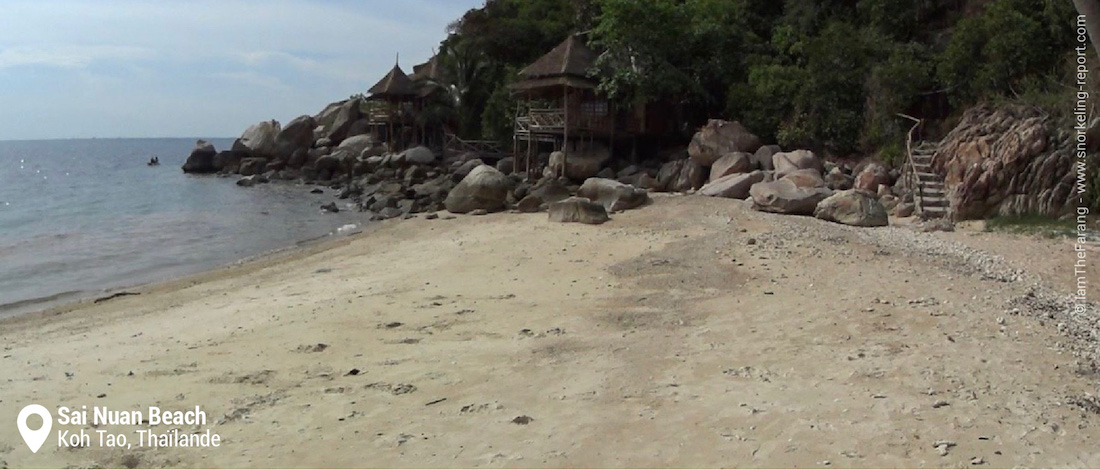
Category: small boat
<point>153,161</point>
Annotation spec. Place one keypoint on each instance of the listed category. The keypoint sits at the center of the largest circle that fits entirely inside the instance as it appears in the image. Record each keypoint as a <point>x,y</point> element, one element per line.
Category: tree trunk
<point>1091,10</point>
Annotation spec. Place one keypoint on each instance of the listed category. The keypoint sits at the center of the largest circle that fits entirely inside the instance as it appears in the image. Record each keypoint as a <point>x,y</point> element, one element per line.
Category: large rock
<point>763,157</point>
<point>355,145</point>
<point>253,166</point>
<point>838,181</point>
<point>682,175</point>
<point>853,207</point>
<point>578,209</point>
<point>733,186</point>
<point>342,121</point>
<point>229,161</point>
<point>785,197</point>
<point>871,176</point>
<point>807,178</point>
<point>419,156</point>
<point>579,164</point>
<point>786,162</point>
<point>550,190</point>
<point>296,136</point>
<point>201,159</point>
<point>718,138</point>
<point>731,163</point>
<point>613,195</point>
<point>260,139</point>
<point>484,188</point>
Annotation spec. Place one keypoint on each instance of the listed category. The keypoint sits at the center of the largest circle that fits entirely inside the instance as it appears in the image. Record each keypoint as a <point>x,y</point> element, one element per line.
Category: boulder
<point>419,156</point>
<point>578,209</point>
<point>808,178</point>
<point>733,186</point>
<point>731,163</point>
<point>253,166</point>
<point>201,159</point>
<point>355,145</point>
<point>853,207</point>
<point>613,195</point>
<point>342,121</point>
<point>484,188</point>
<point>786,162</point>
<point>361,126</point>
<point>668,173</point>
<point>785,197</point>
<point>580,164</point>
<point>465,168</point>
<point>904,209</point>
<point>550,190</point>
<point>763,157</point>
<point>838,181</point>
<point>296,136</point>
<point>530,203</point>
<point>228,161</point>
<point>689,175</point>
<point>506,165</point>
<point>871,176</point>
<point>260,139</point>
<point>718,138</point>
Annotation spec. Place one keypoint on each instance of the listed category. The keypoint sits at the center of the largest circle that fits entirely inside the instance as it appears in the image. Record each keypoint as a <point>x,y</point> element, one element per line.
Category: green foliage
<point>1034,225</point>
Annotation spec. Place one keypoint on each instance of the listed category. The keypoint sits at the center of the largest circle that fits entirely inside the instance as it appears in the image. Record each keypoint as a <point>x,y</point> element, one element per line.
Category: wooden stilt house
<point>395,94</point>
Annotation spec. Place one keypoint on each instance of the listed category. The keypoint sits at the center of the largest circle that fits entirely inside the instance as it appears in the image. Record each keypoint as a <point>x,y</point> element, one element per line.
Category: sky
<point>165,68</point>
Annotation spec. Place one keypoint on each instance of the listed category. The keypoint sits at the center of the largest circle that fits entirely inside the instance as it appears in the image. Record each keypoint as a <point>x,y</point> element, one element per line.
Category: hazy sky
<point>130,68</point>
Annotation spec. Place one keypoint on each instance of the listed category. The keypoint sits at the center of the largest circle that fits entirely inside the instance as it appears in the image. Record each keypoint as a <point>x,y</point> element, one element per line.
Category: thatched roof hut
<point>568,65</point>
<point>394,86</point>
<point>425,76</point>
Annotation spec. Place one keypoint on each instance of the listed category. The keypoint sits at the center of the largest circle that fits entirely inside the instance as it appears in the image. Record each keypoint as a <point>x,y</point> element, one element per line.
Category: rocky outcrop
<point>853,207</point>
<point>785,197</point>
<point>733,186</point>
<point>718,138</point>
<point>484,188</point>
<point>253,166</point>
<point>763,157</point>
<point>342,121</point>
<point>1006,161</point>
<point>229,161</point>
<point>259,140</point>
<point>201,159</point>
<point>296,137</point>
<point>580,163</point>
<point>681,176</point>
<point>578,209</point>
<point>613,195</point>
<point>419,156</point>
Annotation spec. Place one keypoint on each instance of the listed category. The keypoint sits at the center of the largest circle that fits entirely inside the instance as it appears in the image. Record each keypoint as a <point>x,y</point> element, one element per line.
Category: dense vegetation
<point>831,75</point>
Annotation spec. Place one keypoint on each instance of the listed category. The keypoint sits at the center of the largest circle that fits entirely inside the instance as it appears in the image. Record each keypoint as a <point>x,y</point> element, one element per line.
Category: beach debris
<point>941,404</point>
<point>977,461</point>
<point>433,402</point>
<point>312,348</point>
<point>522,420</point>
<point>317,191</point>
<point>352,372</point>
<point>115,296</point>
<point>330,208</point>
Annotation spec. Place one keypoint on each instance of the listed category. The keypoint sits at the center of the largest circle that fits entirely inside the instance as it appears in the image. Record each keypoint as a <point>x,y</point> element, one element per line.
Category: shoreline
<point>65,302</point>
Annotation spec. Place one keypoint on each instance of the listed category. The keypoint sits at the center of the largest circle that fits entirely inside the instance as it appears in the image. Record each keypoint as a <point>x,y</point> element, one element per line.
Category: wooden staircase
<point>929,191</point>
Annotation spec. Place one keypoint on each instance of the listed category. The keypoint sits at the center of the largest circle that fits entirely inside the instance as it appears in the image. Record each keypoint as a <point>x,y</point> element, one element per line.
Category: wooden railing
<point>546,119</point>
<point>911,180</point>
<point>454,144</point>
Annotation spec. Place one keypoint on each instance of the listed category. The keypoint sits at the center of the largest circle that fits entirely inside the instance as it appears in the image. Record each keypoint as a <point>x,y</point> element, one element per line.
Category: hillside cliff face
<point>1008,161</point>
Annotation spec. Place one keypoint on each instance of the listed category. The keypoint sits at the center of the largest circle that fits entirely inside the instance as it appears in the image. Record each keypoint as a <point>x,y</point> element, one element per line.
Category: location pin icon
<point>35,437</point>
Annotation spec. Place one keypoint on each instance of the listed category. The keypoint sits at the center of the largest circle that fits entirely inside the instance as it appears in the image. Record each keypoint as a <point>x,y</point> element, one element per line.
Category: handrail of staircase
<point>912,180</point>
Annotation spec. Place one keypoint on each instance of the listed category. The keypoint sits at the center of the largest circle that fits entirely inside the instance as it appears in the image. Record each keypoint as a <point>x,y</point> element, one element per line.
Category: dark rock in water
<point>330,207</point>
<point>253,166</point>
<point>253,180</point>
<point>201,159</point>
<point>578,209</point>
<point>228,161</point>
<point>613,195</point>
<point>317,191</point>
<point>484,188</point>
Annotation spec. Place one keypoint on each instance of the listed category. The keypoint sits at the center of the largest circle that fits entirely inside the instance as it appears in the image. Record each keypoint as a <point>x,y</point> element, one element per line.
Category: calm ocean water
<point>81,216</point>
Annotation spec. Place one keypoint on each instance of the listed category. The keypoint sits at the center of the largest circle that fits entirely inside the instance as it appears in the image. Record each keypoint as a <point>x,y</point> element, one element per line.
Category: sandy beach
<point>691,332</point>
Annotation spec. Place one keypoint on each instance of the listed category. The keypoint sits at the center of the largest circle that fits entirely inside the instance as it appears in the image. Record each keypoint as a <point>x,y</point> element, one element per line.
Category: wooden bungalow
<point>562,107</point>
<point>426,79</point>
<point>397,93</point>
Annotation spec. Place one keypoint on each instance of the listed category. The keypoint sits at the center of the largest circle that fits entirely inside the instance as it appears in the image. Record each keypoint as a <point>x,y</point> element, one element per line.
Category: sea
<point>81,217</point>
